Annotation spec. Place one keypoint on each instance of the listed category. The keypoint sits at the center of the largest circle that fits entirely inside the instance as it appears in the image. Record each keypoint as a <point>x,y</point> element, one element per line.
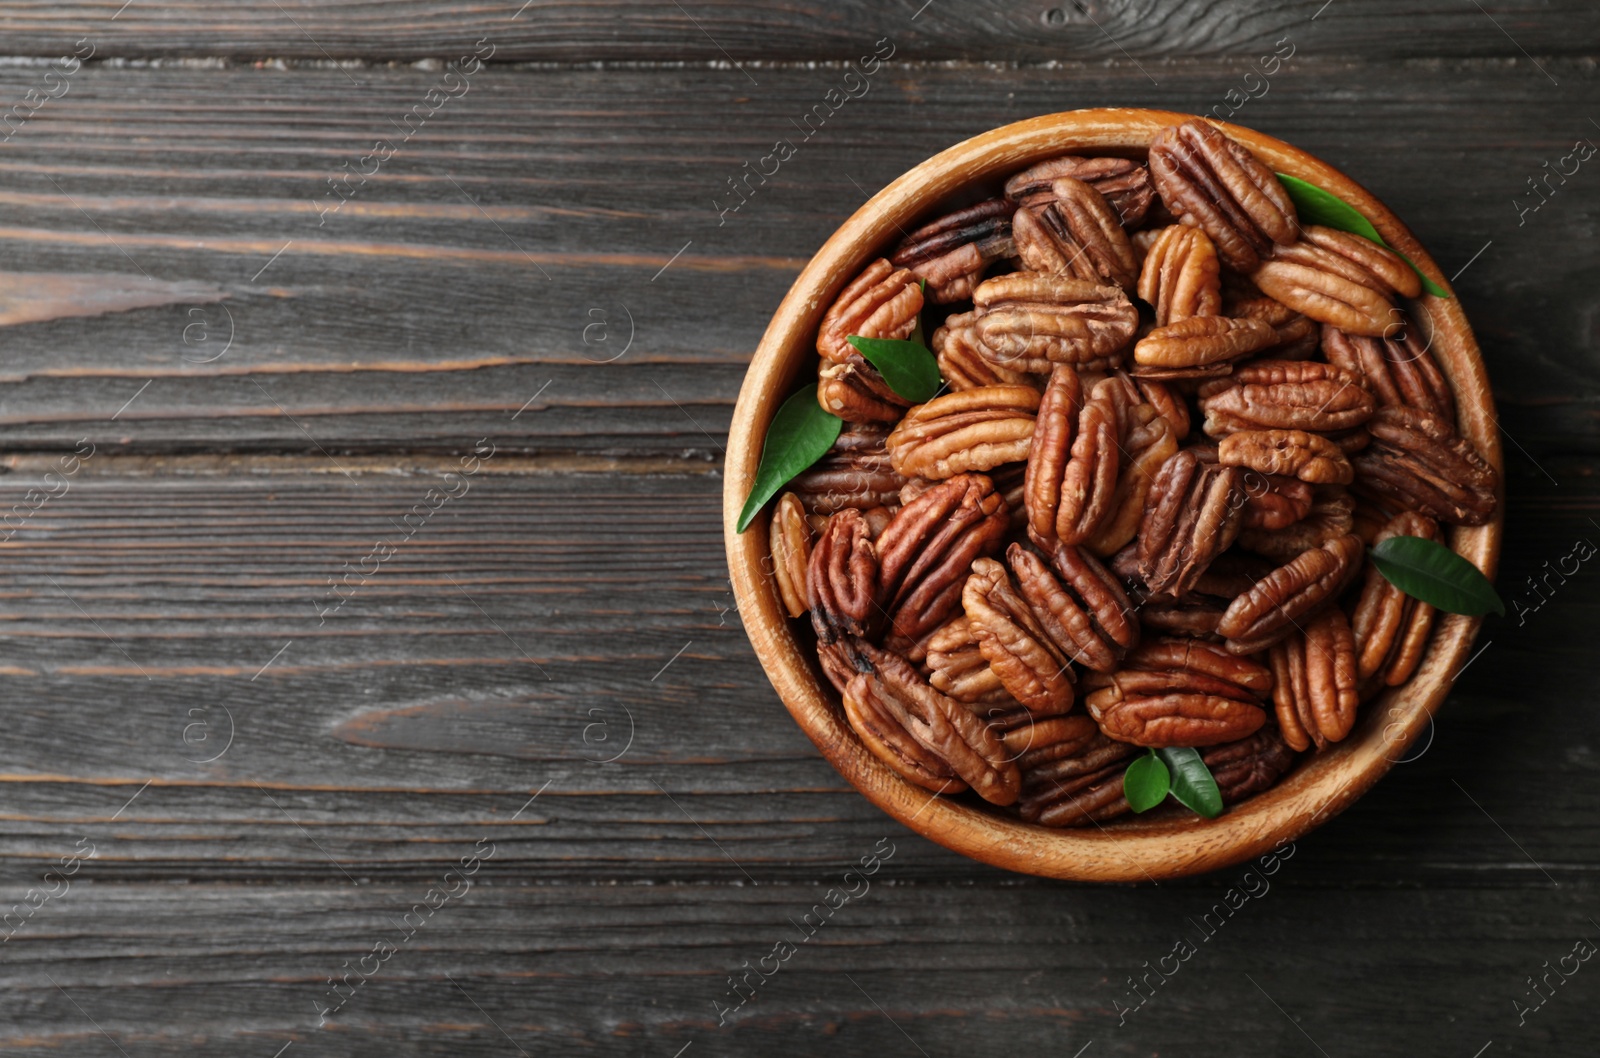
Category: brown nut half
<point>789,538</point>
<point>855,472</point>
<point>1244,768</point>
<point>1283,599</point>
<point>842,579</point>
<point>1390,627</point>
<point>952,252</point>
<point>1341,279</point>
<point>1181,275</point>
<point>1078,604</point>
<point>1290,453</point>
<point>1399,370</point>
<point>1194,347</point>
<point>962,364</point>
<point>1285,395</point>
<point>856,393</point>
<point>896,713</point>
<point>1147,443</point>
<point>925,551</point>
<point>1124,183</point>
<point>1078,235</point>
<point>1019,649</point>
<point>1193,515</point>
<point>958,668</point>
<point>1417,461</point>
<point>1331,515</point>
<point>1314,673</point>
<point>1071,485</point>
<point>881,302</point>
<point>1031,321</point>
<point>970,430</point>
<point>1212,182</point>
<point>1071,773</point>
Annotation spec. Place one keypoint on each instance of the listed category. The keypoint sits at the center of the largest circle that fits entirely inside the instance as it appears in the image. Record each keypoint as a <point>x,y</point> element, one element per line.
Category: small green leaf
<point>1145,782</point>
<point>800,434</point>
<point>908,367</point>
<point>1316,206</point>
<point>1431,572</point>
<point>1192,783</point>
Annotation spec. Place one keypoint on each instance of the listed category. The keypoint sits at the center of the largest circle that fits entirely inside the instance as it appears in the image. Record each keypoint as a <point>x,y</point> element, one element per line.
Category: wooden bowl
<point>1166,844</point>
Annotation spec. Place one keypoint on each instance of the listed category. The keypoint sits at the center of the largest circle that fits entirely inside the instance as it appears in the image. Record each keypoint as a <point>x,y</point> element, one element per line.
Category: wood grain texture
<point>384,744</point>
<point>204,175</point>
<point>143,613</point>
<point>575,970</point>
<point>724,31</point>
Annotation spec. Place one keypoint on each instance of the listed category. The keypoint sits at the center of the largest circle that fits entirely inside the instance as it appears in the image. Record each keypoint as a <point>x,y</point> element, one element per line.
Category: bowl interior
<point>1165,843</point>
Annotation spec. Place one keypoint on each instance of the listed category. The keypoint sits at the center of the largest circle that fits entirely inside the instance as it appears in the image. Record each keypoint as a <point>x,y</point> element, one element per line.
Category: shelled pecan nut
<point>1340,279</point>
<point>1078,787</point>
<point>1418,461</point>
<point>1314,681</point>
<point>1390,627</point>
<point>855,392</point>
<point>1298,335</point>
<point>1037,740</point>
<point>1243,769</point>
<point>1291,453</point>
<point>789,539</point>
<point>1078,604</point>
<point>1124,183</point>
<point>1211,182</point>
<point>893,704</point>
<point>1377,260</point>
<point>1270,611</point>
<point>1199,346</point>
<point>1030,321</point>
<point>962,364</point>
<point>926,550</point>
<point>1077,235</point>
<point>1180,692</point>
<point>855,472</point>
<point>1019,649</point>
<point>952,252</point>
<point>1168,404</point>
<point>1147,443</point>
<point>882,302</point>
<point>958,668</point>
<point>842,579</point>
<point>1158,717</point>
<point>1285,395</point>
<point>1331,515</point>
<point>1274,502</point>
<point>1399,370</point>
<point>1192,515</point>
<point>969,430</point>
<point>1181,275</point>
<point>1072,468</point>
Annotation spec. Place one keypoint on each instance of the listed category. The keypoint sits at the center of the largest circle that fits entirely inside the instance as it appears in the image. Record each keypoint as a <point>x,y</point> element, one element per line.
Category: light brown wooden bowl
<point>1169,843</point>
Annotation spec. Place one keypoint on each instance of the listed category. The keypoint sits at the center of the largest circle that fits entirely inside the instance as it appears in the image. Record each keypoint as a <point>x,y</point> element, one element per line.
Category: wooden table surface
<point>372,681</point>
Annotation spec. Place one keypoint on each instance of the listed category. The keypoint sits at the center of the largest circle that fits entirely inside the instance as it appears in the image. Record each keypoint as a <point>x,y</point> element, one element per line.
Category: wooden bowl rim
<point>1171,844</point>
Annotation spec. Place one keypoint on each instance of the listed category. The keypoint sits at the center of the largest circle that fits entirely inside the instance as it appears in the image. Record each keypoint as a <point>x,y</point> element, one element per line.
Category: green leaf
<point>908,367</point>
<point>1192,783</point>
<point>800,434</point>
<point>1316,206</point>
<point>1145,782</point>
<point>1431,572</point>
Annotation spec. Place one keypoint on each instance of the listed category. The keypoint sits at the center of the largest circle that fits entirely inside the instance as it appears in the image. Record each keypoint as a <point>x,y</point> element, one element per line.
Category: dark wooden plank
<point>156,616</point>
<point>723,31</point>
<point>141,970</point>
<point>410,319</point>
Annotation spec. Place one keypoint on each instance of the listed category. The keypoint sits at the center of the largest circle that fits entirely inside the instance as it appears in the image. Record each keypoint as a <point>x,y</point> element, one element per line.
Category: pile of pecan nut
<point>1137,516</point>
